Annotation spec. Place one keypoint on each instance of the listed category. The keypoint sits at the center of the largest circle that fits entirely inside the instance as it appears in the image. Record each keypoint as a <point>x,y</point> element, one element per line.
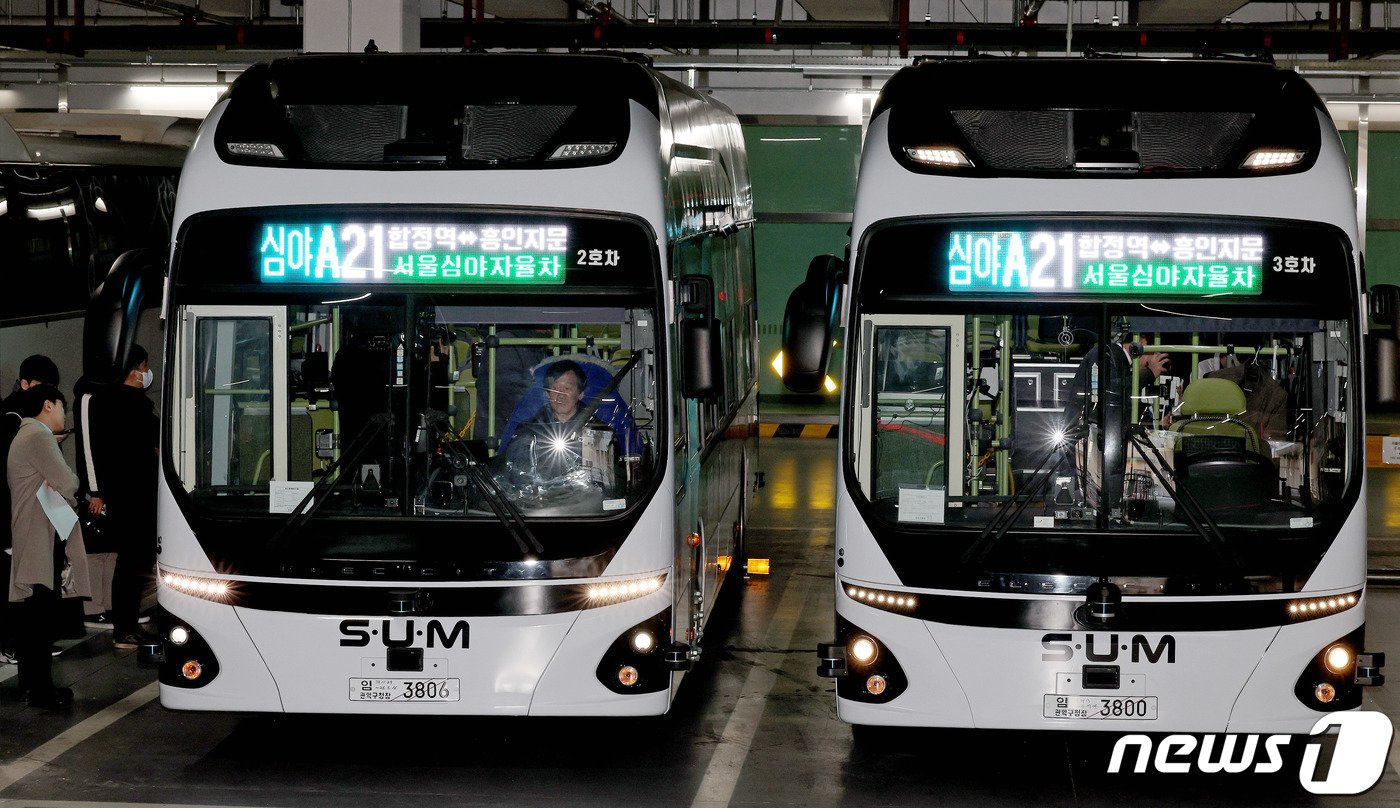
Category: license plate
<point>405,690</point>
<point>1103,708</point>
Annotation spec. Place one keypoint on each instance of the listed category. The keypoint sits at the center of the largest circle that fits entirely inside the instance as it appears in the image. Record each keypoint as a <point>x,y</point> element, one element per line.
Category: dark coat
<point>120,436</point>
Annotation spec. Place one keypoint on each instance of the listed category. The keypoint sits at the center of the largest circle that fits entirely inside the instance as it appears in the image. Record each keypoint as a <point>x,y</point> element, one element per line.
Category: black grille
<point>347,133</point>
<point>504,132</point>
<point>1044,140</point>
<point>1018,140</point>
<point>1189,139</point>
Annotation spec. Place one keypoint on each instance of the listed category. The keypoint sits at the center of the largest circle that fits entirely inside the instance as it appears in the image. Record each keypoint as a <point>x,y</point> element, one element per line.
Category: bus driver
<point>551,444</point>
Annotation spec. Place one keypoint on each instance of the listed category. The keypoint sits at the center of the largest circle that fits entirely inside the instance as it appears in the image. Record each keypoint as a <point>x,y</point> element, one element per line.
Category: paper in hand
<point>61,514</point>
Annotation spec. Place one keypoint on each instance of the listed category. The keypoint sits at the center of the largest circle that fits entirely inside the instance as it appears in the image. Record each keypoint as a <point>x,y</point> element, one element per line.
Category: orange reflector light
<point>724,562</point>
<point>875,685</point>
<point>1325,693</point>
<point>627,675</point>
<point>191,670</point>
<point>757,566</point>
<point>693,540</point>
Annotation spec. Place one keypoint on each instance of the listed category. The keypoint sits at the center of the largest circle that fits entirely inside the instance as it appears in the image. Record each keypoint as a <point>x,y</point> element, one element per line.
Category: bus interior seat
<point>1212,410</point>
<point>1218,457</point>
<point>1228,479</point>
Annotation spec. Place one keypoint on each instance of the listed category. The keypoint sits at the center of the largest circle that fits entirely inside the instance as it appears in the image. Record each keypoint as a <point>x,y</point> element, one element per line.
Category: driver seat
<point>1214,410</point>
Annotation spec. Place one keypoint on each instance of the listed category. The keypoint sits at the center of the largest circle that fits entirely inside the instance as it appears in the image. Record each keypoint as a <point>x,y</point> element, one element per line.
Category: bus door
<point>230,381</point>
<point>907,413</point>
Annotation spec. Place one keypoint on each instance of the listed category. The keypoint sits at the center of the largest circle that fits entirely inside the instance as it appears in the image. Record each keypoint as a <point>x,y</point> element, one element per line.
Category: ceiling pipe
<point>927,37</point>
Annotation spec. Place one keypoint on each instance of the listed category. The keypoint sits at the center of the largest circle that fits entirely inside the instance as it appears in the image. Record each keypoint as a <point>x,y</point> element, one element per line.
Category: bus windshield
<point>1100,412</point>
<point>409,385</point>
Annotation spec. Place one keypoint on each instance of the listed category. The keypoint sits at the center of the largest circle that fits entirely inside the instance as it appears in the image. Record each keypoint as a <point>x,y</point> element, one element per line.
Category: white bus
<point>79,193</point>
<point>1164,535</point>
<point>461,389</point>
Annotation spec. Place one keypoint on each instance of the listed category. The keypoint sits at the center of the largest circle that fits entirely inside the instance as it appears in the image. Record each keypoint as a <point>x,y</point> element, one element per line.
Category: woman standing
<point>46,566</point>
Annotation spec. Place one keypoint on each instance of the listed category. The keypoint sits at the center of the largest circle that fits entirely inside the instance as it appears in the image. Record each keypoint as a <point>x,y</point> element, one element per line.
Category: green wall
<point>804,185</point>
<point>1382,204</point>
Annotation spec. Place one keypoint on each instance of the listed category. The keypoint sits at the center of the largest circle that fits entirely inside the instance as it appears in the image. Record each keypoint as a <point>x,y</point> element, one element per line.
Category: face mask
<point>147,376</point>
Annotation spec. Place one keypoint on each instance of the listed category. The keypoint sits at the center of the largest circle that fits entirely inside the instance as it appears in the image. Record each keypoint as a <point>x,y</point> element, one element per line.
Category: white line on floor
<point>722,775</point>
<point>1395,757</point>
<point>91,804</point>
<point>47,752</point>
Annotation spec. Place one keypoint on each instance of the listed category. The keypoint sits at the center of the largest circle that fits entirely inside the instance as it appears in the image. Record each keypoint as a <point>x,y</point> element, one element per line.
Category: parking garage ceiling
<point>1147,26</point>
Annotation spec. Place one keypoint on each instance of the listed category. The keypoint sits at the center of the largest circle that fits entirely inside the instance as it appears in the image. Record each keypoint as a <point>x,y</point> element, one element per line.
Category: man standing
<point>1122,407</point>
<point>46,566</point>
<point>121,465</point>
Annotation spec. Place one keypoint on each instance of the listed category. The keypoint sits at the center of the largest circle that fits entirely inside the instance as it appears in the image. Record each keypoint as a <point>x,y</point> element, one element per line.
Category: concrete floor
<point>753,726</point>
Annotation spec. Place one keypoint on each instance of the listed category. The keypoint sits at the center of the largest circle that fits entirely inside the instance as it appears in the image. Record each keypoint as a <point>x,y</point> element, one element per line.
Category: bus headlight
<point>619,591</point>
<point>1333,678</point>
<point>862,649</point>
<point>218,590</point>
<point>871,673</point>
<point>1338,658</point>
<point>638,660</point>
<point>184,657</point>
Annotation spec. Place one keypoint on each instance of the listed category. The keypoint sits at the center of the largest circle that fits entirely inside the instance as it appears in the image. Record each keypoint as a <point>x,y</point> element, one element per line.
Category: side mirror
<point>701,372</point>
<point>809,322</point>
<point>109,330</point>
<point>1383,304</point>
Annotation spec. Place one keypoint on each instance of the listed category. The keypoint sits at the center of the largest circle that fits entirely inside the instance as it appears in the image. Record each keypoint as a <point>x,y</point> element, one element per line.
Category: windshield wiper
<point>496,499</point>
<point>302,514</point>
<point>1012,509</point>
<point>1196,515</point>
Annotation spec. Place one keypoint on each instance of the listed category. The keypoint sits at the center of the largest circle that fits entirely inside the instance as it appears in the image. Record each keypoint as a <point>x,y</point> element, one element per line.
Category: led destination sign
<point>1108,262</point>
<point>362,252</point>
